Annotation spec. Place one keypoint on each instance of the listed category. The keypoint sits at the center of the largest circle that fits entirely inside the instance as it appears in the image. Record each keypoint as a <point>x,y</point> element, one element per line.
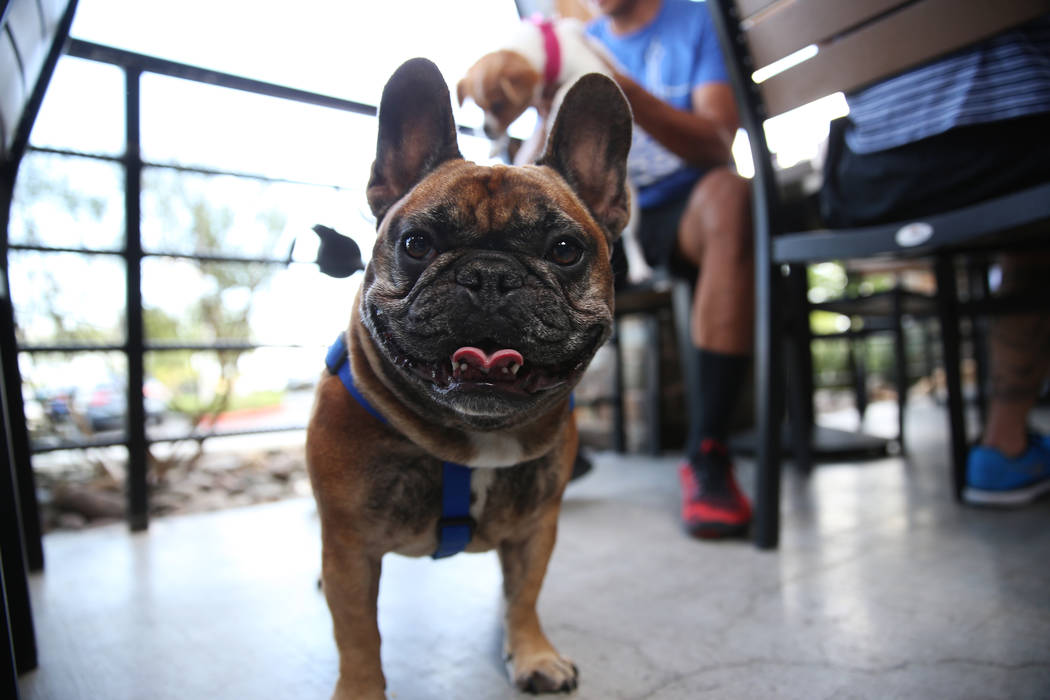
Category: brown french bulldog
<point>488,292</point>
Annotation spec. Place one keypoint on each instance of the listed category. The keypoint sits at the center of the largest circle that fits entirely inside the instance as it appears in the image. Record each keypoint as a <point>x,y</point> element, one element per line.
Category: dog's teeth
<point>514,368</point>
<point>463,367</point>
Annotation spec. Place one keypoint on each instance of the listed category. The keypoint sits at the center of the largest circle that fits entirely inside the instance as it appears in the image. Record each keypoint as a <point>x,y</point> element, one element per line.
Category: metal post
<point>947,303</point>
<point>681,307</point>
<point>980,290</point>
<point>799,359</point>
<point>769,392</point>
<point>619,389</point>
<point>138,495</point>
<point>18,615</point>
<point>654,385</point>
<point>16,435</point>
<point>900,351</point>
<point>8,665</point>
<point>858,368</point>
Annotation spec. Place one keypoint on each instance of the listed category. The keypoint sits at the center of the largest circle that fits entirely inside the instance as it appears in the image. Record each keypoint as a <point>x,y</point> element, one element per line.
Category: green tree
<point>63,201</point>
<point>194,220</point>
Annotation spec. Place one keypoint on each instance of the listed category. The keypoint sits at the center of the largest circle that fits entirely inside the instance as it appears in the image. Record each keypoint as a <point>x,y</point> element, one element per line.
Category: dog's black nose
<point>490,278</point>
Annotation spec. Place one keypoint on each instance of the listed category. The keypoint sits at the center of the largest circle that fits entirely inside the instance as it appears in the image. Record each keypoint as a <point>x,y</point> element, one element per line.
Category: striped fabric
<point>1007,76</point>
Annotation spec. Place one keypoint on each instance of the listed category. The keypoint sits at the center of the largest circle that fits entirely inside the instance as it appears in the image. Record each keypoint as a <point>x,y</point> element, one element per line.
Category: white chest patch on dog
<point>494,450</point>
<point>480,481</point>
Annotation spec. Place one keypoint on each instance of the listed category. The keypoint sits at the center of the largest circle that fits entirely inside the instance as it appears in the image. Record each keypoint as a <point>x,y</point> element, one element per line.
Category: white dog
<point>537,66</point>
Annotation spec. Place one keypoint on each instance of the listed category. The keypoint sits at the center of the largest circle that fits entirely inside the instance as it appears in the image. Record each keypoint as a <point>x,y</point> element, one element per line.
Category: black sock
<point>721,379</point>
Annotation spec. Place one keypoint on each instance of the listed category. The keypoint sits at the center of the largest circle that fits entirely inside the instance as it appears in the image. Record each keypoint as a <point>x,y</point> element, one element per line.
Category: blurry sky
<point>341,48</point>
<point>345,48</point>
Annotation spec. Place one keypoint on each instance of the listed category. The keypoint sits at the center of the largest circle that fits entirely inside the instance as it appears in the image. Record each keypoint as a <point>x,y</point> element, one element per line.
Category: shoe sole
<point>717,531</point>
<point>1006,499</point>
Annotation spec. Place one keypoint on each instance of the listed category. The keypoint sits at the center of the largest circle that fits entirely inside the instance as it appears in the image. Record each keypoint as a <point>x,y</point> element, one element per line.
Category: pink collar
<point>550,47</point>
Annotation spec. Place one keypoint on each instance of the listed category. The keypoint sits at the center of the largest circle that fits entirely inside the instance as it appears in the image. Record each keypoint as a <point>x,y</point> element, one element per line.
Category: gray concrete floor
<point>882,587</point>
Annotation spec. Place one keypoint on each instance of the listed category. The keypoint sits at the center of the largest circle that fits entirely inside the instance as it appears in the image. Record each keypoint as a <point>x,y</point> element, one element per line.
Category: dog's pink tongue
<point>472,364</point>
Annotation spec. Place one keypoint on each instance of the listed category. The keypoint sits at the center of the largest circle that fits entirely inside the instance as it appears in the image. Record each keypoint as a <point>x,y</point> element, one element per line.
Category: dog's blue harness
<point>456,526</point>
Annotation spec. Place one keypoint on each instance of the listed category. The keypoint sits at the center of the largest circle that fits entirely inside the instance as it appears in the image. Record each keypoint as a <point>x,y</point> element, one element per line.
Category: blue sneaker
<point>994,479</point>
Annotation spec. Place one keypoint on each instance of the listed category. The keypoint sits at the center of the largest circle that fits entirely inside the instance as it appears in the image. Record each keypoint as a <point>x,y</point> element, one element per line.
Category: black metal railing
<point>134,66</point>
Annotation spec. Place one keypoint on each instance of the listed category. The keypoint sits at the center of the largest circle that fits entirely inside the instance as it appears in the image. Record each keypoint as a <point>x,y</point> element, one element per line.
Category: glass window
<point>191,213</point>
<point>344,49</point>
<point>68,202</point>
<point>71,397</point>
<point>67,297</point>
<point>94,92</point>
<point>235,390</point>
<point>193,124</point>
<point>186,301</point>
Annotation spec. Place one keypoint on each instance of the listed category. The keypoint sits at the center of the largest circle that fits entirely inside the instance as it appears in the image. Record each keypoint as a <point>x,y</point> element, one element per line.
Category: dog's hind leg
<point>533,663</point>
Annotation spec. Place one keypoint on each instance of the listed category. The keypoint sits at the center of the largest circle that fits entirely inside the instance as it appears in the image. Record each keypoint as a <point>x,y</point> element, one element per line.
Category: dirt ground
<point>88,488</point>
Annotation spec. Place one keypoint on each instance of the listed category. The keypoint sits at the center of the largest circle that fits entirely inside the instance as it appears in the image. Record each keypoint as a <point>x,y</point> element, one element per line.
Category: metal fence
<point>135,345</point>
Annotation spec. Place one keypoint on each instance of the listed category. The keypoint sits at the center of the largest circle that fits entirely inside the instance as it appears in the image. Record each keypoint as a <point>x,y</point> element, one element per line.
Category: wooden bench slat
<point>747,8</point>
<point>791,26</point>
<point>915,34</point>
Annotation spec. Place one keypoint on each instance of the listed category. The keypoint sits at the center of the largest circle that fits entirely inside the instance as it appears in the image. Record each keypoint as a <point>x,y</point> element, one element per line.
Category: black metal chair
<point>859,42</point>
<point>667,298</point>
<point>878,313</point>
<point>32,36</point>
<point>650,303</point>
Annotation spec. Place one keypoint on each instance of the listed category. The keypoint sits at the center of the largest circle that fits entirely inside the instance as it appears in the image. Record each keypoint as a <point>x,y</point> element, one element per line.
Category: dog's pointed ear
<point>416,133</point>
<point>588,146</point>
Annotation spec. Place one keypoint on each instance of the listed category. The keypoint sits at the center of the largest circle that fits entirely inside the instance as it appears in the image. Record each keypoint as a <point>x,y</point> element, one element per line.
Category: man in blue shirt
<point>695,209</point>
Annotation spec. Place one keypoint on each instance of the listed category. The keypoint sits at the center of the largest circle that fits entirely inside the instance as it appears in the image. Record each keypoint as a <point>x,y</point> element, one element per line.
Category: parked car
<point>107,405</point>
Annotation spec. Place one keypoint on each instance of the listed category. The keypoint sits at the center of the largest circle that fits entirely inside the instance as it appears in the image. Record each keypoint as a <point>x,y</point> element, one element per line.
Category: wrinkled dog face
<point>490,289</point>
<point>498,291</point>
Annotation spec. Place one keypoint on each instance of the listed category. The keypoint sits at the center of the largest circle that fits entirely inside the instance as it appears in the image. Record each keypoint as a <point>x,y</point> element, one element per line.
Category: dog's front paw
<point>543,673</point>
<point>359,689</point>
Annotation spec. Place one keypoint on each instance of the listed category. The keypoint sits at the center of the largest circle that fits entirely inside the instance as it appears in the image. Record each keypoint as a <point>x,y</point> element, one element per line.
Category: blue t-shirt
<point>673,55</point>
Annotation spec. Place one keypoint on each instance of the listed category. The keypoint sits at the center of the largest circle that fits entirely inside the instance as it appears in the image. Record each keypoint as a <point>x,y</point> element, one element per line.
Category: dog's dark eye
<point>565,251</point>
<point>417,245</point>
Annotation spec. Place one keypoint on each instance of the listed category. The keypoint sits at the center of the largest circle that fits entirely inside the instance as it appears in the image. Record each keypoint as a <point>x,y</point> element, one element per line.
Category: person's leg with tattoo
<point>1011,466</point>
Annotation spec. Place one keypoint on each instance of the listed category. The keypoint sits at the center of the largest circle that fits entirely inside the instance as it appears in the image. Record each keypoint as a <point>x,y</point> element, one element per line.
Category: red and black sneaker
<point>713,505</point>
